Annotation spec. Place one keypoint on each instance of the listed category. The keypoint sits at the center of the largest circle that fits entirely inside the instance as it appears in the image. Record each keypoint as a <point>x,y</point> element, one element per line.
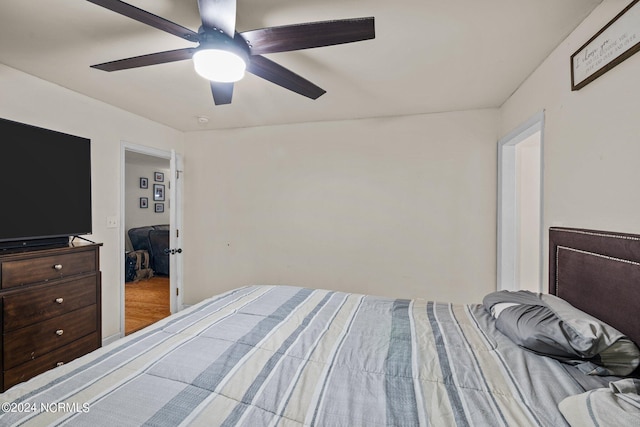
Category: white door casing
<point>509,198</point>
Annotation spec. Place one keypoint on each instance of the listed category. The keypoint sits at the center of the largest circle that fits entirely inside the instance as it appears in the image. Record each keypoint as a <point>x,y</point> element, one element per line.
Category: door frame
<point>508,217</point>
<point>175,213</point>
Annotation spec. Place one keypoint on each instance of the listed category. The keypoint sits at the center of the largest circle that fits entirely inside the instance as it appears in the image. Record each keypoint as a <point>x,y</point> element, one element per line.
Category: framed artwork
<point>614,43</point>
<point>158,177</point>
<point>159,207</point>
<point>144,202</point>
<point>144,182</point>
<point>158,192</point>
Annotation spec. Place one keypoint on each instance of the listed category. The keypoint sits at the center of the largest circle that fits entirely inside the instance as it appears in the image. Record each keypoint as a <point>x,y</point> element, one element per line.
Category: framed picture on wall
<point>144,202</point>
<point>614,43</point>
<point>144,182</point>
<point>158,192</point>
<point>159,207</point>
<point>158,177</point>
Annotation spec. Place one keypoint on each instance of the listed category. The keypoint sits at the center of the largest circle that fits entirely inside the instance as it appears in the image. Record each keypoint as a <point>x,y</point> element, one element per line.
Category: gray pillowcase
<point>550,326</point>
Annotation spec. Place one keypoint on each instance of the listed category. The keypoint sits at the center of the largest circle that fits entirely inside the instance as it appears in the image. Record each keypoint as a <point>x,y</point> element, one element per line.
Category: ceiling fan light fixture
<point>219,65</point>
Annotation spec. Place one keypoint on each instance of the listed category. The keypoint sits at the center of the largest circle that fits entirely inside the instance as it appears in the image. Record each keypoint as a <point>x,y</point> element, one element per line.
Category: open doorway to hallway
<point>146,236</point>
<point>520,231</point>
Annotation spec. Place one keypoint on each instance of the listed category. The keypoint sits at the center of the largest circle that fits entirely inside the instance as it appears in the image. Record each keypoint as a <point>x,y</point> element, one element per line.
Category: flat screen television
<point>46,186</point>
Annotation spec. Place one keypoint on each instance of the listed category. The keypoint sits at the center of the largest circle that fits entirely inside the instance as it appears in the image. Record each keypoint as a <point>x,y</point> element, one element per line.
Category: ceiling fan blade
<point>222,92</point>
<point>219,14</point>
<point>147,18</point>
<point>309,35</point>
<point>144,60</point>
<point>269,70</point>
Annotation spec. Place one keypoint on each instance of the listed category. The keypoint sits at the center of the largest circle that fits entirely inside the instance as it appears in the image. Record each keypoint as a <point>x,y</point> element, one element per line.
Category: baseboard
<point>112,338</point>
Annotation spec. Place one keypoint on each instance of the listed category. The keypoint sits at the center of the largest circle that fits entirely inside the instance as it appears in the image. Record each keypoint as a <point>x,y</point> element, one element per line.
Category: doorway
<point>520,230</point>
<point>150,212</point>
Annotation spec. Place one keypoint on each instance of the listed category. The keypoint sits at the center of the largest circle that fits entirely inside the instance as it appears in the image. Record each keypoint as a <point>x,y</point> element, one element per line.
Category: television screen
<point>46,184</point>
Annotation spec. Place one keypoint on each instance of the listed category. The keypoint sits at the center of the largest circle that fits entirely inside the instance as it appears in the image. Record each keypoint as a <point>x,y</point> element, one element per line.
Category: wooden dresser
<point>51,308</point>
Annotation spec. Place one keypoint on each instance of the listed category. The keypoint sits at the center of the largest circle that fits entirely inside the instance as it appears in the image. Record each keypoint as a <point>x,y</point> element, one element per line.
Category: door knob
<point>168,251</point>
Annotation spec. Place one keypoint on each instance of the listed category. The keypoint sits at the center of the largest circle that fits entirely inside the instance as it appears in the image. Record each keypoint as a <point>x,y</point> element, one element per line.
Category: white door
<point>175,238</point>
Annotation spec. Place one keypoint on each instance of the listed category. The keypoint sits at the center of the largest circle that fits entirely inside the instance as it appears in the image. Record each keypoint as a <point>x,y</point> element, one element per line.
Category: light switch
<point>112,222</point>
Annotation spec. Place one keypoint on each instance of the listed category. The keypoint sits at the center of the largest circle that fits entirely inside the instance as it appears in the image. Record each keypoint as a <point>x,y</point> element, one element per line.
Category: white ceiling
<point>428,56</point>
<point>146,160</point>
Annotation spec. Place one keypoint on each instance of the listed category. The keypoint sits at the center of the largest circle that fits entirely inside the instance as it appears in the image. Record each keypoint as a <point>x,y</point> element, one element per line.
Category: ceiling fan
<point>223,54</point>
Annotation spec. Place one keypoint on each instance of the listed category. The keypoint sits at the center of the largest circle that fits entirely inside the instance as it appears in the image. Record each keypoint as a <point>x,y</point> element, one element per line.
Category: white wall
<point>402,206</point>
<point>135,216</point>
<point>27,99</point>
<point>591,136</point>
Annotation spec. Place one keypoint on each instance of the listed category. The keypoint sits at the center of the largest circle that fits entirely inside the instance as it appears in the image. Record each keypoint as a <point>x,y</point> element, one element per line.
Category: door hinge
<point>177,291</point>
<point>177,233</point>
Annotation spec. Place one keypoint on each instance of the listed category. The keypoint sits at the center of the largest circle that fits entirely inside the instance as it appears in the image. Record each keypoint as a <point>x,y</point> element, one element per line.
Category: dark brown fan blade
<point>309,35</point>
<point>150,59</point>
<point>219,14</point>
<point>147,18</point>
<point>222,92</point>
<point>269,70</point>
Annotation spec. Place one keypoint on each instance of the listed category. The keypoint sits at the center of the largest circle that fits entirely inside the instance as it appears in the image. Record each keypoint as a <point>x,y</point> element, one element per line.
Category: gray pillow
<point>550,326</point>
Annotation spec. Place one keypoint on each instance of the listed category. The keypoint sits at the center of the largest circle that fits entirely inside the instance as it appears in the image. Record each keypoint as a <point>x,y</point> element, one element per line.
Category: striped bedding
<point>288,356</point>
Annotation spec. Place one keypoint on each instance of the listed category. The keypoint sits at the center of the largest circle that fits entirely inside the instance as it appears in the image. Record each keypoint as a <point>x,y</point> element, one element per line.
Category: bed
<point>291,356</point>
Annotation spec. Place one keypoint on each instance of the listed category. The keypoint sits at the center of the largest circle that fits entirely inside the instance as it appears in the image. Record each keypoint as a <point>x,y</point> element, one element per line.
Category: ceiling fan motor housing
<point>213,38</point>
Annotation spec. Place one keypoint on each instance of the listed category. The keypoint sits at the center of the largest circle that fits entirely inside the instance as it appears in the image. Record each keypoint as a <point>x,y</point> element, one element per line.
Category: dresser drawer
<point>50,360</point>
<point>34,270</point>
<point>45,302</point>
<point>31,342</point>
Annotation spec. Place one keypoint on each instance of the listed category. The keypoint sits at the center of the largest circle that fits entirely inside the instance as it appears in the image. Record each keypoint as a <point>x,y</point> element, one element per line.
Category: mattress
<point>289,356</point>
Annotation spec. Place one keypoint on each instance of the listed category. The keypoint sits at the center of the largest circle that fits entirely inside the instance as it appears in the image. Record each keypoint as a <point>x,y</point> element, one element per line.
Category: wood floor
<point>146,302</point>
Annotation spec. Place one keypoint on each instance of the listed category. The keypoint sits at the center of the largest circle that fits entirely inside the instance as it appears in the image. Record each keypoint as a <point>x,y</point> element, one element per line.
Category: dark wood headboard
<point>599,273</point>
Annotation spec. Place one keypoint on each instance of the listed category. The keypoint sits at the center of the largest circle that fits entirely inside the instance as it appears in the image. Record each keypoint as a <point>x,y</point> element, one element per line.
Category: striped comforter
<point>287,356</point>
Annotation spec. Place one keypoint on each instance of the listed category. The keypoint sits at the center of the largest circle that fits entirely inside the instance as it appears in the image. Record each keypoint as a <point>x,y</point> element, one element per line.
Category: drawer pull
<point>59,300</point>
<point>59,332</point>
<point>58,267</point>
<point>59,363</point>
